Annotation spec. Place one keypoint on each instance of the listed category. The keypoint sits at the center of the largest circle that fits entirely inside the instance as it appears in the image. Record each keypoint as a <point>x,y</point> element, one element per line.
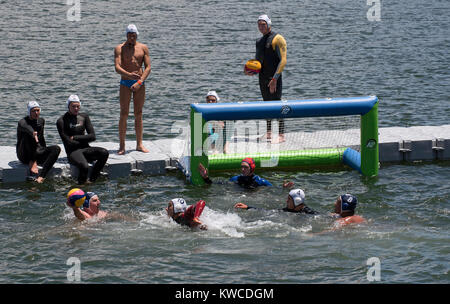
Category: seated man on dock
<point>31,148</point>
<point>77,132</point>
<point>178,210</point>
<point>295,203</point>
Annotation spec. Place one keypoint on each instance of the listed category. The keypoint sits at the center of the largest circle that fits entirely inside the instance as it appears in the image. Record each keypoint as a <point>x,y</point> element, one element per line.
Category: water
<point>195,46</point>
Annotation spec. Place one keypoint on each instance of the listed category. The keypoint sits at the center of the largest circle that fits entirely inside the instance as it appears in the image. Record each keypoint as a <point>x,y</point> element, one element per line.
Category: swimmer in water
<point>91,206</point>
<point>344,209</point>
<point>178,210</point>
<point>247,179</point>
<point>295,203</point>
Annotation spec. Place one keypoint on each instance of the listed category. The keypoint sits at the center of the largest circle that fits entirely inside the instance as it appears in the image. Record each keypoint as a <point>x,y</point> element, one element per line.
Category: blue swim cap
<point>89,195</point>
<point>348,202</point>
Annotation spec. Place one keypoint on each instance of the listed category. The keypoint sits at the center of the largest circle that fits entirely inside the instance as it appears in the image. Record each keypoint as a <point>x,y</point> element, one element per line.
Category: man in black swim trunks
<point>294,203</point>
<point>31,148</point>
<point>77,132</point>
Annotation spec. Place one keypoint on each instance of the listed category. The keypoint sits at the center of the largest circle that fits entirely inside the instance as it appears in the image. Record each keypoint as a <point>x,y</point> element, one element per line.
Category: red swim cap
<point>250,162</point>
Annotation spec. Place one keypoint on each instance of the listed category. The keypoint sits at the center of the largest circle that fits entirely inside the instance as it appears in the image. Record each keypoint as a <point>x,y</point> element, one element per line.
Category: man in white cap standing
<point>31,148</point>
<point>128,59</point>
<point>77,132</point>
<point>271,53</point>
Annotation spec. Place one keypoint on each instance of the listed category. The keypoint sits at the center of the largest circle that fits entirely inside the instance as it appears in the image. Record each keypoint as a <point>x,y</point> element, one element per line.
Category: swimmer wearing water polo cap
<point>31,148</point>
<point>128,59</point>
<point>178,210</point>
<point>295,203</point>
<point>344,207</point>
<point>247,179</point>
<point>89,201</point>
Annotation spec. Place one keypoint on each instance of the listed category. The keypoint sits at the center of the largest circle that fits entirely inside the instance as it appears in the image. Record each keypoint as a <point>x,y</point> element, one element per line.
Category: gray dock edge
<point>396,145</point>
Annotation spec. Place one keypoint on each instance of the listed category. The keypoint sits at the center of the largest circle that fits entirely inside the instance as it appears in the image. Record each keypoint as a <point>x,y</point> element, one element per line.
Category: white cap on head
<point>73,98</point>
<point>31,105</point>
<point>179,205</point>
<point>298,196</point>
<point>131,28</point>
<point>213,93</point>
<point>266,19</point>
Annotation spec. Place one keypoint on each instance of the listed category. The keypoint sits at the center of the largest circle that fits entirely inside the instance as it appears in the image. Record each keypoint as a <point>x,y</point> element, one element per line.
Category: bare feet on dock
<point>121,151</point>
<point>142,149</point>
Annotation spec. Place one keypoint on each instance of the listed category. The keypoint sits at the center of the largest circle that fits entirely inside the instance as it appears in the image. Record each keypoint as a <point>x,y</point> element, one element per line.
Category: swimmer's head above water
<point>345,204</point>
<point>296,199</point>
<point>248,166</point>
<point>175,206</point>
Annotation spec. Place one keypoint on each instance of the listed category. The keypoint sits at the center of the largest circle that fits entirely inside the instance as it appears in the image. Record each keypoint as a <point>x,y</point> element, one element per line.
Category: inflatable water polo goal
<point>327,132</point>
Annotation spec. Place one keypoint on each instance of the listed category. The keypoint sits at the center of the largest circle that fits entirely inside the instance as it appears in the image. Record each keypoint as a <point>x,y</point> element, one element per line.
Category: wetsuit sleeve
<point>262,181</point>
<point>234,179</point>
<point>280,47</point>
<point>41,135</point>
<point>90,136</point>
<point>24,127</point>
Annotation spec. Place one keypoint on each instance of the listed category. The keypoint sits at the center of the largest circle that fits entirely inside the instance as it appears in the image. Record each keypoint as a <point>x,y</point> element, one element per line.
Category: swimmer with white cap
<point>295,203</point>
<point>129,57</point>
<point>180,212</point>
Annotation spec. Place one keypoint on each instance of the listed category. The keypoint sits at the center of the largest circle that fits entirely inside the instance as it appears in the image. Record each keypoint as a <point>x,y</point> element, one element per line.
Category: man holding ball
<point>271,53</point>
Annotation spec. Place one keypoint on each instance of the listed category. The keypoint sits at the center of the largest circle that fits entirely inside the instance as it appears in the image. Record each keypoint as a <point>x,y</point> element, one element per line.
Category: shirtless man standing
<point>128,59</point>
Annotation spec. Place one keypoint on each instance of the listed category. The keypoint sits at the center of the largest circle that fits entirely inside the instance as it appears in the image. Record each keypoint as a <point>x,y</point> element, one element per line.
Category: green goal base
<point>279,159</point>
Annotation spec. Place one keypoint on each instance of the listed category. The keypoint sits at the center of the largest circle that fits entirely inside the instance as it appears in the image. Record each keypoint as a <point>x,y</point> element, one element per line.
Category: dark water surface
<point>196,46</point>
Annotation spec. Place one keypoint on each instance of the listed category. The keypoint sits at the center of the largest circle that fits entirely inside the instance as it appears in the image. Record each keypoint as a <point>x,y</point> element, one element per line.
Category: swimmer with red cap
<point>247,179</point>
<point>178,210</point>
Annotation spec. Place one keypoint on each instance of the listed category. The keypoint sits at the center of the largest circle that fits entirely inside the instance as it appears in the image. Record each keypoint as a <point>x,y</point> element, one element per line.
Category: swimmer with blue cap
<point>344,208</point>
<point>91,205</point>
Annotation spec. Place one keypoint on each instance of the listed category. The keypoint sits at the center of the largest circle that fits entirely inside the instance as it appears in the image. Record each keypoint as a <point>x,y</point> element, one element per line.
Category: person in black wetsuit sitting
<point>77,132</point>
<point>31,148</point>
<point>294,203</point>
<point>178,210</point>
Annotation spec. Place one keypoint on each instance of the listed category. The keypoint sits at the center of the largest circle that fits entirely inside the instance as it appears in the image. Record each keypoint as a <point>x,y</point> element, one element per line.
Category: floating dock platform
<point>396,145</point>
